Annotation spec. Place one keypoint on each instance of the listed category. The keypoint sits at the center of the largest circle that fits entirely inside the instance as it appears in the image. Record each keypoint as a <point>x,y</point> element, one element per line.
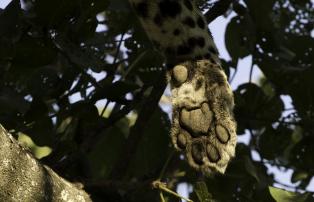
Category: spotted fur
<point>203,126</point>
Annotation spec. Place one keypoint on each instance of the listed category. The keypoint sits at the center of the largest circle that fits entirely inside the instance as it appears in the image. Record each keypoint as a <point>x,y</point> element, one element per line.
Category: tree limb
<point>219,8</point>
<point>23,178</point>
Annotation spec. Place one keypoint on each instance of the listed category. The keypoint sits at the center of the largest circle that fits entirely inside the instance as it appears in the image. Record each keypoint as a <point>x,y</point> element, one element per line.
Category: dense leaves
<point>82,78</point>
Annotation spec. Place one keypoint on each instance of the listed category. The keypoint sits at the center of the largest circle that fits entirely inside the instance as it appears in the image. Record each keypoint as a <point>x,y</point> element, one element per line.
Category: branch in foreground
<point>23,178</point>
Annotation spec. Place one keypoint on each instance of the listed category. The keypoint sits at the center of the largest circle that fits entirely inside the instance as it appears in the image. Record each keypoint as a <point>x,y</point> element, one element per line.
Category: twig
<point>251,73</point>
<point>161,194</point>
<point>163,187</point>
<point>118,48</point>
<point>104,109</point>
<point>233,75</point>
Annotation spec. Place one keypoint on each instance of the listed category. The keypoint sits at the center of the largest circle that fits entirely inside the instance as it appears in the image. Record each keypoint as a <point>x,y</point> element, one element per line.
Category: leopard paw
<point>203,124</point>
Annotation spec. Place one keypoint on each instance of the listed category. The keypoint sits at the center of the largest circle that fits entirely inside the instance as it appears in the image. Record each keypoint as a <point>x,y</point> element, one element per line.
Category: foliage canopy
<point>50,53</point>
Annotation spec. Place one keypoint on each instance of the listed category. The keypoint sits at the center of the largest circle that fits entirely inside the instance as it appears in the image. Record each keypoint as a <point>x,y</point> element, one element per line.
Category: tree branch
<point>23,178</point>
<point>219,8</point>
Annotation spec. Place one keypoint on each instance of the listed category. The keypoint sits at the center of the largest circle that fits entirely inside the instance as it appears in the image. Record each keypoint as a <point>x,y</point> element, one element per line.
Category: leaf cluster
<point>61,60</point>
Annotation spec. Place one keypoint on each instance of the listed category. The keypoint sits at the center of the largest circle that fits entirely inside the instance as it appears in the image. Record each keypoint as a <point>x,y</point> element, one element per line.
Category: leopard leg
<point>203,125</point>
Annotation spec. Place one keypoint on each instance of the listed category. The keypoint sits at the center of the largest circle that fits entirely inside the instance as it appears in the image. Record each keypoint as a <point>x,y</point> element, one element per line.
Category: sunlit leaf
<point>281,195</point>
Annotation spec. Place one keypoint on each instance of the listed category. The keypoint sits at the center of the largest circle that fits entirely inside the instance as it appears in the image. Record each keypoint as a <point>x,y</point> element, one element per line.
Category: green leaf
<point>301,155</point>
<point>121,88</point>
<point>250,168</point>
<point>43,82</point>
<point>260,12</point>
<point>146,62</point>
<point>281,195</point>
<point>153,149</point>
<point>115,91</point>
<point>240,37</point>
<point>106,152</point>
<point>286,54</point>
<point>297,134</point>
<point>10,20</point>
<point>298,176</point>
<point>254,109</point>
<point>77,55</point>
<point>273,142</point>
<point>84,110</point>
<point>33,52</point>
<point>56,12</point>
<point>12,102</point>
<point>10,29</point>
<point>42,132</point>
<point>202,193</point>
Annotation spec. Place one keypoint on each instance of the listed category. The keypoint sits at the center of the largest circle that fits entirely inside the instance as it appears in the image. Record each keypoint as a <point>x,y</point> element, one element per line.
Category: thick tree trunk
<point>23,178</point>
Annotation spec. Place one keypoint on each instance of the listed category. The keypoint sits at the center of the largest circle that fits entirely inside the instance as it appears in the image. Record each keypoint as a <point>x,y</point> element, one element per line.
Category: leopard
<point>203,124</point>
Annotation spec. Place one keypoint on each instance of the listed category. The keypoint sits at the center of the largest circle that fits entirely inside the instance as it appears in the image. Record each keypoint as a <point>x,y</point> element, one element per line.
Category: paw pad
<point>197,121</point>
<point>180,73</point>
<point>212,153</point>
<point>182,140</point>
<point>222,134</point>
<point>197,151</point>
<point>203,124</point>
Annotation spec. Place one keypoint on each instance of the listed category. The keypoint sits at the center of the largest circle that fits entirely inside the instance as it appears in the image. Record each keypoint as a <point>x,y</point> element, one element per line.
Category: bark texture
<point>25,179</point>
